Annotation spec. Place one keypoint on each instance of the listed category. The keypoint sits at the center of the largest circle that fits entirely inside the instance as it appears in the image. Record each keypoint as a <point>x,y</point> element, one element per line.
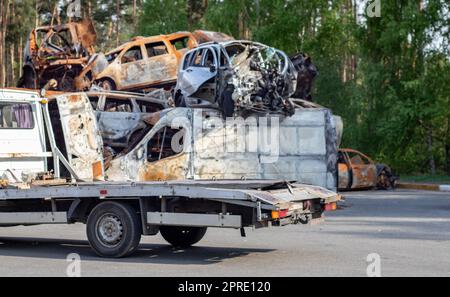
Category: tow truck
<point>52,171</point>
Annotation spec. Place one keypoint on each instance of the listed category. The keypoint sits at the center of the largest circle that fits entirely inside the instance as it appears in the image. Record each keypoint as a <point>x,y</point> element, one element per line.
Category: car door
<point>132,68</point>
<point>364,171</point>
<point>84,144</point>
<point>345,181</point>
<point>161,63</point>
<point>199,66</point>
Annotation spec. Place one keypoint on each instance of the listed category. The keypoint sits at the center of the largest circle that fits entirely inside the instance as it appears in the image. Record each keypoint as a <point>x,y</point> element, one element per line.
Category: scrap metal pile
<point>241,75</point>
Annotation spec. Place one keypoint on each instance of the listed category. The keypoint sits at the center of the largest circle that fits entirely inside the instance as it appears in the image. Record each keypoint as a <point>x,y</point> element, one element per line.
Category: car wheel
<point>113,230</point>
<point>385,180</point>
<point>182,237</point>
<point>107,85</point>
<point>227,104</point>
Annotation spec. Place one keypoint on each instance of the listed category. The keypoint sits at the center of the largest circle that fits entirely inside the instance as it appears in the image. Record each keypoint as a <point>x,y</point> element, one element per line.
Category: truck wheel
<point>113,230</point>
<point>183,237</point>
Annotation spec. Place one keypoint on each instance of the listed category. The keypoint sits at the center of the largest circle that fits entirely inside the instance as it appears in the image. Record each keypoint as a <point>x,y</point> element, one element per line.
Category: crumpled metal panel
<point>84,145</point>
<point>305,152</point>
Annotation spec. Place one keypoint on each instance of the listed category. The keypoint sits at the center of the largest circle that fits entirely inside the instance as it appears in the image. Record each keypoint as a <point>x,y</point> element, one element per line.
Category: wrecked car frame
<point>358,171</point>
<point>237,76</point>
<point>145,62</point>
<point>58,52</point>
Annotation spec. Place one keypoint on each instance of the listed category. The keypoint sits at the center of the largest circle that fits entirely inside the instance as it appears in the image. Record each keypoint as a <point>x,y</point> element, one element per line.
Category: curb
<point>424,187</point>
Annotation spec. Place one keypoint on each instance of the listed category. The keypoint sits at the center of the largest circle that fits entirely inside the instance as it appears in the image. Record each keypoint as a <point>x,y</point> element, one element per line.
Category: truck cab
<point>23,149</point>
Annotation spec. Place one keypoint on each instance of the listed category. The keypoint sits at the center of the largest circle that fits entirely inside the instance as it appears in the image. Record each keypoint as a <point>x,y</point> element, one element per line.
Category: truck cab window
<point>16,116</point>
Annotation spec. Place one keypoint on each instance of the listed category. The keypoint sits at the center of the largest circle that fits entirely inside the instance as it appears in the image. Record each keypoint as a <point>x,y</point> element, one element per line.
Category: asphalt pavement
<point>408,230</point>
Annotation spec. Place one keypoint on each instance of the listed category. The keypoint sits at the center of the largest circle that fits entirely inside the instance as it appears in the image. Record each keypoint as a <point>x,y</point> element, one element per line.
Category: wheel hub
<point>110,230</point>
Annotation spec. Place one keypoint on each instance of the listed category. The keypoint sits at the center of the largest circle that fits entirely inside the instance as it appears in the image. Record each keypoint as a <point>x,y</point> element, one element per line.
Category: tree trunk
<point>196,10</point>
<point>4,23</point>
<point>20,49</point>
<point>134,16</point>
<point>117,22</point>
<point>12,62</point>
<point>431,161</point>
<point>1,42</point>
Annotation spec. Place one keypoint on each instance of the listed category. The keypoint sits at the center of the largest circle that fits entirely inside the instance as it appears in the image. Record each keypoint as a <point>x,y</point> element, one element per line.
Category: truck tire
<point>113,230</point>
<point>182,237</point>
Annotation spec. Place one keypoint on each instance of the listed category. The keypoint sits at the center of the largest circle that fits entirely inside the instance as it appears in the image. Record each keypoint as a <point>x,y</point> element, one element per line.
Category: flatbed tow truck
<point>117,214</point>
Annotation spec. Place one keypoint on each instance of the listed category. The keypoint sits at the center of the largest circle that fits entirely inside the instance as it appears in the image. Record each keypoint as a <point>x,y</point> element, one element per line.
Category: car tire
<point>182,237</point>
<point>227,104</point>
<point>107,85</point>
<point>113,230</point>
<point>384,181</point>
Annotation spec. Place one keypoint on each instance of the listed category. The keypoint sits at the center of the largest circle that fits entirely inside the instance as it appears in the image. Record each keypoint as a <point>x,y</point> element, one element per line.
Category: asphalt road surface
<point>409,230</point>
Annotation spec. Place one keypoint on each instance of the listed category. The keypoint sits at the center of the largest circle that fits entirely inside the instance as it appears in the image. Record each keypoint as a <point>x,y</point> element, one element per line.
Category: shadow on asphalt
<point>147,253</point>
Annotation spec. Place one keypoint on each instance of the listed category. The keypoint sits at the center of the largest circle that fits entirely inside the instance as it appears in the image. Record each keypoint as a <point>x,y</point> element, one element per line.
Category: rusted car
<point>237,76</point>
<point>58,52</point>
<point>198,144</point>
<point>145,62</point>
<point>121,117</point>
<point>203,36</point>
<point>358,171</point>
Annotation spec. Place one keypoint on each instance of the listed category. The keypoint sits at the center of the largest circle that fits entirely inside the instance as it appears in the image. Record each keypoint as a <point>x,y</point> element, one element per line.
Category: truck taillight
<point>279,214</point>
<point>331,206</point>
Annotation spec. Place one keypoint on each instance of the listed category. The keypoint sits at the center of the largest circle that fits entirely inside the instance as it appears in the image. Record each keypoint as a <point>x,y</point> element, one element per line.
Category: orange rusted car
<point>58,52</point>
<point>358,171</point>
<point>145,62</point>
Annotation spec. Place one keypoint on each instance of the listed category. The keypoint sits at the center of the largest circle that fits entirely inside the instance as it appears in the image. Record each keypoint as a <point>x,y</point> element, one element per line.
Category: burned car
<point>203,36</point>
<point>358,171</point>
<point>58,52</point>
<point>237,76</point>
<point>145,62</point>
<point>199,144</point>
<point>122,117</point>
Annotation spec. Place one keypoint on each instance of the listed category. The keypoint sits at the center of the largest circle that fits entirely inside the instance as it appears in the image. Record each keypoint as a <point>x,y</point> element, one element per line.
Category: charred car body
<point>145,62</point>
<point>358,171</point>
<point>121,117</point>
<point>237,76</point>
<point>58,52</point>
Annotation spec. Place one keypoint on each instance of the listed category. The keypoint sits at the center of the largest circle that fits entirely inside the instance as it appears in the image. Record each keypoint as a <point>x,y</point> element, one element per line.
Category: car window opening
<point>166,143</point>
<point>156,49</point>
<point>132,55</point>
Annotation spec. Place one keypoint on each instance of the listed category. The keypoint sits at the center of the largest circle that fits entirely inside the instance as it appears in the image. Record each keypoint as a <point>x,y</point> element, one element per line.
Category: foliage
<point>388,77</point>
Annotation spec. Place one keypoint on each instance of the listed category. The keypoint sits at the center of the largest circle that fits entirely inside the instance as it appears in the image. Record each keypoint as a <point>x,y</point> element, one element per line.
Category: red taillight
<point>331,207</point>
<point>279,214</point>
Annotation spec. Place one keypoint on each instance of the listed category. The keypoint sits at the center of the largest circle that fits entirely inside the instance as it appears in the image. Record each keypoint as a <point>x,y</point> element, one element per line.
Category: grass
<point>431,179</point>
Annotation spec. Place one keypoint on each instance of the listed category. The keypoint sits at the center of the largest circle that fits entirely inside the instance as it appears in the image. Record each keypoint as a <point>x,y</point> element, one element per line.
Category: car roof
<point>141,39</point>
